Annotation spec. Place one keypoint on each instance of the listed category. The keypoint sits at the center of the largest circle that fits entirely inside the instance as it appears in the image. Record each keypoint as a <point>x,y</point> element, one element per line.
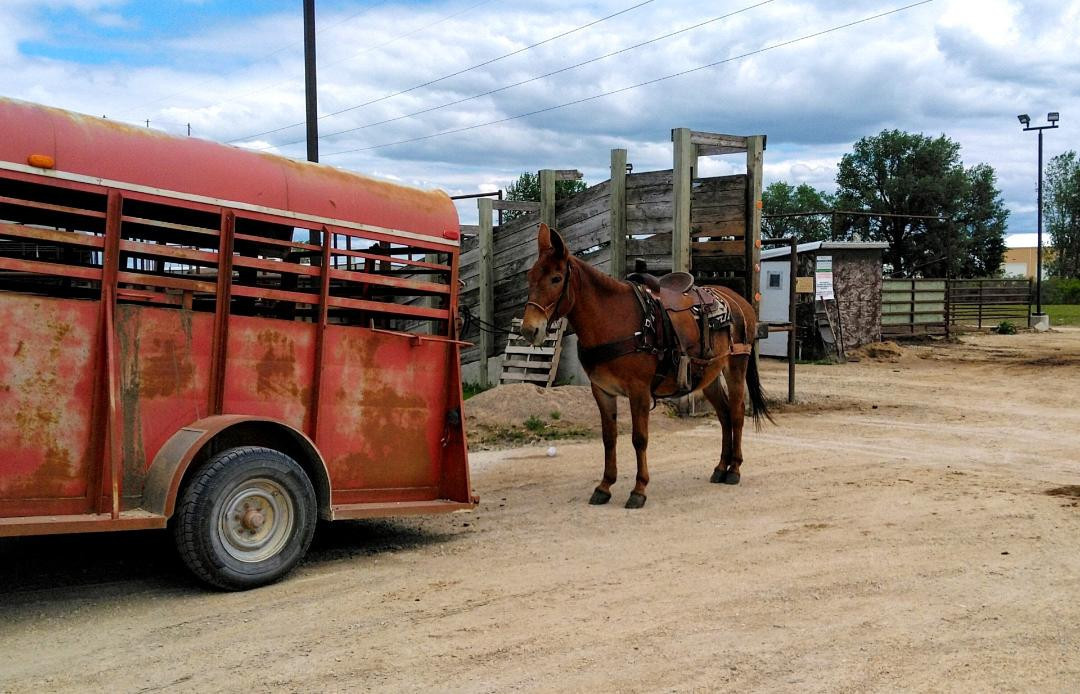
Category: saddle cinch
<point>679,318</point>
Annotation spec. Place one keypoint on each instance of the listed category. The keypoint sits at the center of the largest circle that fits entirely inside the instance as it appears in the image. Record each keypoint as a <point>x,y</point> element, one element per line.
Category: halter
<point>551,309</point>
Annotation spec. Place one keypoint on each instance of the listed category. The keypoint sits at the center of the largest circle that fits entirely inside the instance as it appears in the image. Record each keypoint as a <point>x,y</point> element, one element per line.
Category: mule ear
<point>558,246</point>
<point>543,238</point>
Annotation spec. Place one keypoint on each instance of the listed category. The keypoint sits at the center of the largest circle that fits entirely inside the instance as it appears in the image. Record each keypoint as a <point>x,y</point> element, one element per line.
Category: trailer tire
<point>246,518</point>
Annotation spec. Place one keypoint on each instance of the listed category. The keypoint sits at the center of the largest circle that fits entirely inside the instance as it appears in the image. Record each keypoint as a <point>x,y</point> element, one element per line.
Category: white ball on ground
<point>551,451</point>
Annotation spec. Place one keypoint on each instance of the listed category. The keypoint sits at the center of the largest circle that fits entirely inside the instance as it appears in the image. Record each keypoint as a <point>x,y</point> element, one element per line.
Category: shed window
<point>774,280</point>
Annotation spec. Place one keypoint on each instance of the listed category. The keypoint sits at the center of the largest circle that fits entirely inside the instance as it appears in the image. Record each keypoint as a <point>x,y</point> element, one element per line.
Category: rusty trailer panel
<point>46,386</point>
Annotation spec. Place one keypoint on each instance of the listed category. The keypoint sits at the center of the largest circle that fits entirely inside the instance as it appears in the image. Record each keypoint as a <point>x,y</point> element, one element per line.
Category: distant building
<point>1021,255</point>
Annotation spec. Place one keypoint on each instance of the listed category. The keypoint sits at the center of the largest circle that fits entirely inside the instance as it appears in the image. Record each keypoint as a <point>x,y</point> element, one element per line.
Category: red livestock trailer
<point>225,343</point>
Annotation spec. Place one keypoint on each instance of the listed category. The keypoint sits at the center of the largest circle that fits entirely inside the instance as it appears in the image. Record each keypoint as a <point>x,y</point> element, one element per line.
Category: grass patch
<point>470,389</point>
<point>1063,314</point>
<point>532,430</point>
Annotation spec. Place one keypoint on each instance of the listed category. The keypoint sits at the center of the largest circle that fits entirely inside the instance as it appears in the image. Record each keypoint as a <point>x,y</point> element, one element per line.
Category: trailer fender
<point>196,441</point>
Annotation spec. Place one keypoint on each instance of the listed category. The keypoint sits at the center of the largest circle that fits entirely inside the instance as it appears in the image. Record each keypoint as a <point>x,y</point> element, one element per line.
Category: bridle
<point>552,309</point>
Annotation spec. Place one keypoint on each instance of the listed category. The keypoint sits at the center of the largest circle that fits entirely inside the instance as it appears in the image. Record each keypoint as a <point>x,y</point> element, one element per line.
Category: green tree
<point>902,173</point>
<point>527,189</point>
<point>783,198</point>
<point>1061,206</point>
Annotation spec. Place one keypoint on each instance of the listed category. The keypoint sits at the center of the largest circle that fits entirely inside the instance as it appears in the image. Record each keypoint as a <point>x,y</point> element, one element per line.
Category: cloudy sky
<point>421,92</point>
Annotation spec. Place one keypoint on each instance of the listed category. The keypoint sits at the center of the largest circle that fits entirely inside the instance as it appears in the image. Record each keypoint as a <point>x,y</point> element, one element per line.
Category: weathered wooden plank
<point>698,137</point>
<point>733,228</point>
<point>617,209</point>
<point>721,248</point>
<point>487,281</point>
<point>755,152</point>
<point>529,350</point>
<point>524,364</point>
<point>733,263</point>
<point>658,244</point>
<point>539,378</point>
<point>547,197</point>
<point>516,205</point>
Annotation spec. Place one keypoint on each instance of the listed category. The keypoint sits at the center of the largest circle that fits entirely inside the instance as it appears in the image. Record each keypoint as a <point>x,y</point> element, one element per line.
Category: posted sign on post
<point>823,278</point>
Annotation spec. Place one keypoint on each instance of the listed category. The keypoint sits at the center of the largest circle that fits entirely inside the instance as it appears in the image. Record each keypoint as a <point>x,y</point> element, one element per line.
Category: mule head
<point>549,286</point>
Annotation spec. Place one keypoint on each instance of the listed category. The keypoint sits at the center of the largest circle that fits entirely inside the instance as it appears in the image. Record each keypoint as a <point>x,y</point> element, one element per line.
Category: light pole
<point>1051,118</point>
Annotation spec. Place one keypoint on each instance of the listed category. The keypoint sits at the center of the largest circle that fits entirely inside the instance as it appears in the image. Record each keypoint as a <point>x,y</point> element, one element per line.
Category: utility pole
<point>311,92</point>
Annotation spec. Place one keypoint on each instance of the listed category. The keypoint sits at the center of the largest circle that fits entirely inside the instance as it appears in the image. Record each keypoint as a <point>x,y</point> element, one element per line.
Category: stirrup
<point>684,374</point>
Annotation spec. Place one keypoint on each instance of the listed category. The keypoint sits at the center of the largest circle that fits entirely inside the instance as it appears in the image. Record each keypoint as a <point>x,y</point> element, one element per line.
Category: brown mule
<point>607,315</point>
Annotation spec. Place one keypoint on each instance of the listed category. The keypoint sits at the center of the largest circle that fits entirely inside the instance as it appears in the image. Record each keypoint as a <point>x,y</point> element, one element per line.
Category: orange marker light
<point>451,234</point>
<point>42,161</point>
<point>760,204</point>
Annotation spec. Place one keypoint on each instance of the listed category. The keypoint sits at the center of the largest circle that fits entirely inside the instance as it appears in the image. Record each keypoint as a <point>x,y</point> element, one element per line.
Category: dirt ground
<point>912,524</point>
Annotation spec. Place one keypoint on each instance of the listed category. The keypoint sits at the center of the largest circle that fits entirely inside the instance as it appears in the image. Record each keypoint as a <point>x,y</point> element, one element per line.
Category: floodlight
<point>1024,119</point>
<point>1052,116</point>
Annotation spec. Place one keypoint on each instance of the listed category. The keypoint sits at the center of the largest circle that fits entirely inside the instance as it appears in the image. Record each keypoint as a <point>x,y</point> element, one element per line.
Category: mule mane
<point>599,280</point>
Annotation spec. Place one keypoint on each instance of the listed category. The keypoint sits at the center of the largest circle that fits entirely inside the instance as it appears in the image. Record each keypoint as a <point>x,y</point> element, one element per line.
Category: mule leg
<point>640,403</point>
<point>714,393</point>
<point>609,410</point>
<point>735,377</point>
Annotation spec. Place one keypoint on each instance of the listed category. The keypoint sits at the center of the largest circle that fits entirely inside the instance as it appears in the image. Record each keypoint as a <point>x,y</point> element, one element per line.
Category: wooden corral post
<point>547,197</point>
<point>487,292</point>
<point>618,213</point>
<point>755,153</point>
<point>682,172</point>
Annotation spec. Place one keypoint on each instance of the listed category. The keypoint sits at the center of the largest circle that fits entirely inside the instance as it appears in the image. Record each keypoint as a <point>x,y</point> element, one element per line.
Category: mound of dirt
<point>520,413</point>
<point>880,351</point>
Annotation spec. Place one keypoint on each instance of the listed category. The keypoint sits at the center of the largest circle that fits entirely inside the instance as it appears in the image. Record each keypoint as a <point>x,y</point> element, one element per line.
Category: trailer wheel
<point>246,518</point>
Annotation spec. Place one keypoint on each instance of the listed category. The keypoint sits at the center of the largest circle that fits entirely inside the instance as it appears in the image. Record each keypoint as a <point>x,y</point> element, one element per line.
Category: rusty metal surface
<point>164,364</point>
<point>47,368</point>
<point>268,372</point>
<point>384,414</point>
<point>200,167</point>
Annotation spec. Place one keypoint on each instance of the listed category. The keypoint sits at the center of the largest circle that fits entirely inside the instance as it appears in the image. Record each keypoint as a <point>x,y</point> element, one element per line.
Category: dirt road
<point>894,532</point>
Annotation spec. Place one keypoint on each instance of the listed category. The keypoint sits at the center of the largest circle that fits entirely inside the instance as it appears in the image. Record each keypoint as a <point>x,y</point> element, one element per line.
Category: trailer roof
<point>100,148</point>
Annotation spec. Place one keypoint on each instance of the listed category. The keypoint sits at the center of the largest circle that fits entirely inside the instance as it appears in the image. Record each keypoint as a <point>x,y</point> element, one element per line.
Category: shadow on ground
<point>120,561</point>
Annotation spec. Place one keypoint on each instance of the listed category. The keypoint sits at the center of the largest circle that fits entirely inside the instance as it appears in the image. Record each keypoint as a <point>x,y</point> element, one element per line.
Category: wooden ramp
<point>528,364</point>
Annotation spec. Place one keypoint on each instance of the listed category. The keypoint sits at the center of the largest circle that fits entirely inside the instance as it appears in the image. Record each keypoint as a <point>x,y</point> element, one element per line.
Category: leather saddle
<point>684,316</point>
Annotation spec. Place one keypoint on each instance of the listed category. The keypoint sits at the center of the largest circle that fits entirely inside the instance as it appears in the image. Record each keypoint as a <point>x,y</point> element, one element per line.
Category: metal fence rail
<point>990,301</point>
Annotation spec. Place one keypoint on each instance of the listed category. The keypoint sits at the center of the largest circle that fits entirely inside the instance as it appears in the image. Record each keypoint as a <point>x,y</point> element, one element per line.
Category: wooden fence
<point>717,222</point>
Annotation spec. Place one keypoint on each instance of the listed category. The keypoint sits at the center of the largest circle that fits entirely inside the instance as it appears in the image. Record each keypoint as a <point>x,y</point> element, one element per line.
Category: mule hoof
<point>599,497</point>
<point>717,476</point>
<point>636,500</point>
<point>731,477</point>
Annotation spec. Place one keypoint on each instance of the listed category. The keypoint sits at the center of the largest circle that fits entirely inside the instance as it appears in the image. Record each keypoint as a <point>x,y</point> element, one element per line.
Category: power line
<point>639,84</point>
<point>453,74</point>
<point>260,59</point>
<point>531,79</point>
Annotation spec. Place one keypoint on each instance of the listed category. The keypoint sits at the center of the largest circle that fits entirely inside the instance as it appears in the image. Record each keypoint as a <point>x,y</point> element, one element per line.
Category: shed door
<point>774,305</point>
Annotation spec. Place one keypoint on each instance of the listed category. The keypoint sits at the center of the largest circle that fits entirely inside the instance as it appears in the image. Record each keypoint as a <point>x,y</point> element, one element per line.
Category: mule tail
<point>758,407</point>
